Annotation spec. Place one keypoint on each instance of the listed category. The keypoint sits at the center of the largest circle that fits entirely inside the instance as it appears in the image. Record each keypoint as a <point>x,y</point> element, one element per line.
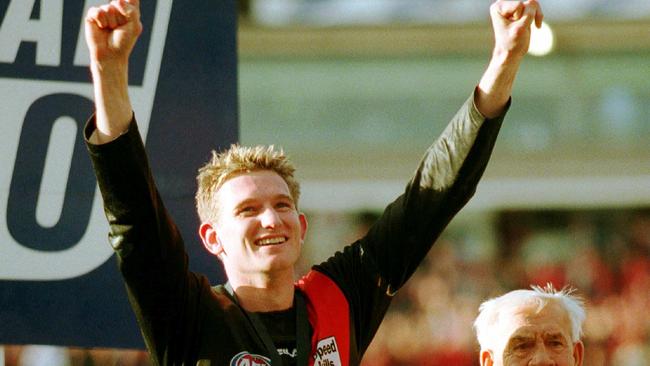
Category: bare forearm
<point>111,32</point>
<point>511,21</point>
<point>112,103</point>
<point>495,88</point>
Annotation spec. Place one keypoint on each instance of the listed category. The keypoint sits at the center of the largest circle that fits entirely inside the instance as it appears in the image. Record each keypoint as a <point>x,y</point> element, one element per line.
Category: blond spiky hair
<point>239,159</point>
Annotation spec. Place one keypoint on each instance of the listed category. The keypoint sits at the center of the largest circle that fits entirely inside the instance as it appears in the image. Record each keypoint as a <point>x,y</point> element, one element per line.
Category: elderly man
<point>541,326</point>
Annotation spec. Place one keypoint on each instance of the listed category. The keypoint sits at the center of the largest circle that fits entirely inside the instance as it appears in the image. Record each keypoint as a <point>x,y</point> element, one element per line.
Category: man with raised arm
<point>247,201</point>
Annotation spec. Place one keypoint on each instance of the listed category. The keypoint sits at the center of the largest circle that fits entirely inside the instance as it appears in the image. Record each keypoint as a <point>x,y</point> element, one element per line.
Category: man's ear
<point>208,235</point>
<point>578,353</point>
<point>303,226</point>
<point>487,359</point>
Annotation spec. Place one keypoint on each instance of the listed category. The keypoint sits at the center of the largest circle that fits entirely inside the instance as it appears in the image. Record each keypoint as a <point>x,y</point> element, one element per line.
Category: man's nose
<point>270,218</point>
<point>541,357</point>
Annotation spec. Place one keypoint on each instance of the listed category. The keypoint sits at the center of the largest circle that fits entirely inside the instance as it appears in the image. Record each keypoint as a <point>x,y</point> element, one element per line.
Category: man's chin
<point>280,263</point>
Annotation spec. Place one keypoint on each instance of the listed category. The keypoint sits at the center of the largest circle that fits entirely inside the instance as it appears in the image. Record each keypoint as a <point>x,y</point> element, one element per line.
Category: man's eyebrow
<point>248,201</point>
<point>284,196</point>
<point>244,202</point>
<point>521,338</point>
<point>554,335</point>
<point>288,200</point>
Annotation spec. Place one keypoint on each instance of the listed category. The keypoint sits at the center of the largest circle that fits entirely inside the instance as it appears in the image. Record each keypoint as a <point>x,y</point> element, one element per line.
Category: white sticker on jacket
<point>327,353</point>
<point>249,359</point>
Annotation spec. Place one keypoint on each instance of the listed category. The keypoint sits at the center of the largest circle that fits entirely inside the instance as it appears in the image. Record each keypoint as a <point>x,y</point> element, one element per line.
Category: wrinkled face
<point>542,338</point>
<point>259,229</point>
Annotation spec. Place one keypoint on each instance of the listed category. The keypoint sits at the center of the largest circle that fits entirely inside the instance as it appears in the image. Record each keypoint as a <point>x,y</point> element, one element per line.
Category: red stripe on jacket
<point>329,315</point>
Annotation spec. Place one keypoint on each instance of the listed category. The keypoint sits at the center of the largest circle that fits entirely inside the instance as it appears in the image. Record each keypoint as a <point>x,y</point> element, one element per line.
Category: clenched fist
<point>511,21</point>
<point>112,30</point>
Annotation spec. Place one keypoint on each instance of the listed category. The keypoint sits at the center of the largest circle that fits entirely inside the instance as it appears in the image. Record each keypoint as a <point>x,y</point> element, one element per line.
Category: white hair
<point>491,310</point>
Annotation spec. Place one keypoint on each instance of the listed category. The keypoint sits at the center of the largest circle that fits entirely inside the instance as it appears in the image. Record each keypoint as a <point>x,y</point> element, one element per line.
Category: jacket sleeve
<point>371,270</point>
<point>442,184</point>
<point>151,255</point>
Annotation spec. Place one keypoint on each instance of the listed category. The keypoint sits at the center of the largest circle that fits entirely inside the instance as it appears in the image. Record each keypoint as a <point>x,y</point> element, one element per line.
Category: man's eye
<point>246,210</point>
<point>556,343</point>
<point>523,346</point>
<point>284,205</point>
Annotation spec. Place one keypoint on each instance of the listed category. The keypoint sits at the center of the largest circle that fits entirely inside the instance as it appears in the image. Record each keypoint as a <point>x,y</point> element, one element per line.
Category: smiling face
<point>536,338</point>
<point>259,229</point>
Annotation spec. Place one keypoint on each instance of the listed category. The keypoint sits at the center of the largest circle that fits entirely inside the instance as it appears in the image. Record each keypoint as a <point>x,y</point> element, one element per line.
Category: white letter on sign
<point>46,32</point>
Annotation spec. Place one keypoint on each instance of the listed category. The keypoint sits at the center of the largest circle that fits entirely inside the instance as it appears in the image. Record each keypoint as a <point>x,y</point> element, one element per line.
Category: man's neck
<point>264,294</point>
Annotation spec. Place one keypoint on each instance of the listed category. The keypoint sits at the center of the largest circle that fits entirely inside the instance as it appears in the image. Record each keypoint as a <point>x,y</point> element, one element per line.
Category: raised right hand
<point>112,30</point>
<point>511,21</point>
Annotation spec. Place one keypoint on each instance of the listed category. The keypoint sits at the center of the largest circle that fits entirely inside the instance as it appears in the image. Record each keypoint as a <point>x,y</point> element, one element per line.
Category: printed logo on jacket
<point>327,353</point>
<point>249,359</point>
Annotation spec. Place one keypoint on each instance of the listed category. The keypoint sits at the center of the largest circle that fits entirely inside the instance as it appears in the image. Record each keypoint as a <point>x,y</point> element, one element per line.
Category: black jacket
<point>186,321</point>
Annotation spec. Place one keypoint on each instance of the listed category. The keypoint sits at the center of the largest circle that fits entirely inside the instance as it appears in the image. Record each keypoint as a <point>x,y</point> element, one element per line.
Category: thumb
<point>507,10</point>
<point>529,15</point>
<point>533,13</point>
<point>518,13</point>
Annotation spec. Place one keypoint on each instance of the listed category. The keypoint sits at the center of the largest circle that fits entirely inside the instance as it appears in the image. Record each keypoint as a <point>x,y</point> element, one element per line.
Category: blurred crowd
<point>604,255</point>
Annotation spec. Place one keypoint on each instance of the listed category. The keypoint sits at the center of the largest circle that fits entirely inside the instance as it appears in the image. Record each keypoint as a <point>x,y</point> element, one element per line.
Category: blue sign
<point>59,282</point>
